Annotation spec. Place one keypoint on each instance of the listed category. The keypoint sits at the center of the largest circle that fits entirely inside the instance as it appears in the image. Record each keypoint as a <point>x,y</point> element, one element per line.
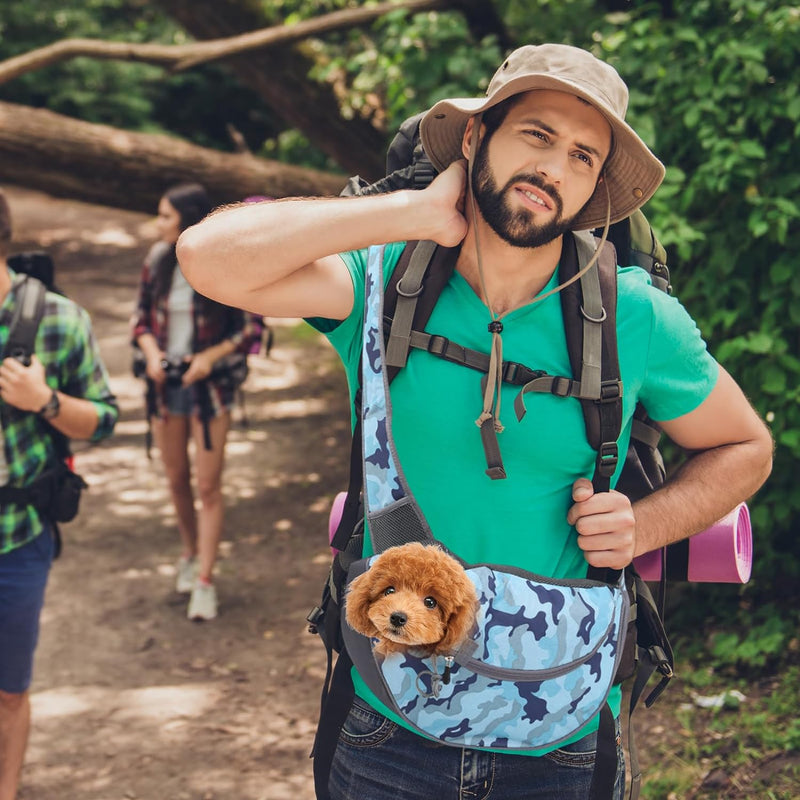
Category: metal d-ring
<point>403,293</point>
<point>593,319</point>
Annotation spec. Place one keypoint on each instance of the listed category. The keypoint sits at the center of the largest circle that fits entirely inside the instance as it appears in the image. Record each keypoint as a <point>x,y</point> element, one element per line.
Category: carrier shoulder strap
<point>28,313</point>
<point>409,299</point>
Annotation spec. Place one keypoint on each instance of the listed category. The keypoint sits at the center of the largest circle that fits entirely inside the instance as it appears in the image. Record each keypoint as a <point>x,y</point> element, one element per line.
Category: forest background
<point>714,93</point>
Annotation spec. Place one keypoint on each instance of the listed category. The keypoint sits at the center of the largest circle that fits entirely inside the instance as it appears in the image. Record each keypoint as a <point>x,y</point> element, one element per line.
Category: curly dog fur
<point>413,596</point>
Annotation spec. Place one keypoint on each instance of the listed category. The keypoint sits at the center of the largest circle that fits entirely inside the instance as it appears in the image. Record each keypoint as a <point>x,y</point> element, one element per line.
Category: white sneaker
<point>203,602</point>
<point>186,574</point>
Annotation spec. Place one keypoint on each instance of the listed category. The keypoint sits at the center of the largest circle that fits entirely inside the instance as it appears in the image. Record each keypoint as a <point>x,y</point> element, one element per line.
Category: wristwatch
<point>51,408</point>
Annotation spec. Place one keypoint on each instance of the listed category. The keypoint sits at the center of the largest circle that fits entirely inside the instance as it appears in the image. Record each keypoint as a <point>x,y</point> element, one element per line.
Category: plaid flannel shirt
<point>66,346</point>
<point>212,323</point>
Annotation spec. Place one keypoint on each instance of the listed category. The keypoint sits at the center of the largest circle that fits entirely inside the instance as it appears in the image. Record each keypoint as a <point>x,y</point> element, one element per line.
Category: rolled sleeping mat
<point>722,553</point>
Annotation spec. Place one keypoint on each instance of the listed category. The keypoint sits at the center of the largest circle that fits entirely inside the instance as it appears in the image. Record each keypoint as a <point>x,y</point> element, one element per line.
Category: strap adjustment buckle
<point>562,387</point>
<point>610,391</point>
<point>437,345</point>
<point>607,458</point>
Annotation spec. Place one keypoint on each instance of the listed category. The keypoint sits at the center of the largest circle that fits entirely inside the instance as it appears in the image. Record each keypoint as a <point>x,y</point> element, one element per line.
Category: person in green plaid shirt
<point>64,392</point>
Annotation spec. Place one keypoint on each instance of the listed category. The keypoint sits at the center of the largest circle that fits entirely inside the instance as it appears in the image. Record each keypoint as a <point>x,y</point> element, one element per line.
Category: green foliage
<point>715,90</point>
<point>765,641</point>
<point>409,64</point>
<point>198,104</point>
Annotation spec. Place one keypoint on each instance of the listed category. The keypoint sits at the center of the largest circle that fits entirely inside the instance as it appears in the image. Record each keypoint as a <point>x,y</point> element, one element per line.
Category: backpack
<point>56,492</point>
<point>409,299</point>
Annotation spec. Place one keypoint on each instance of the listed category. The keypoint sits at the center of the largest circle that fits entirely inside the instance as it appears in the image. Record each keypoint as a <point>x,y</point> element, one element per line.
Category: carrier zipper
<point>520,675</point>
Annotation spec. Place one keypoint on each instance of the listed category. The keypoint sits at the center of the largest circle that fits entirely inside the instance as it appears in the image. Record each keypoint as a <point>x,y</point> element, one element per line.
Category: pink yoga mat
<point>336,514</point>
<point>722,553</point>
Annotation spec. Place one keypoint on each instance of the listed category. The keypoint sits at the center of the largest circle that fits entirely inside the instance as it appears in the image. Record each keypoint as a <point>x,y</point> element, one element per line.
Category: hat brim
<point>631,173</point>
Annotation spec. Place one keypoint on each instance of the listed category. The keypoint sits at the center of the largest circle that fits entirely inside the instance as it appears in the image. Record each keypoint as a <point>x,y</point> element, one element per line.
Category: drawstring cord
<point>494,377</point>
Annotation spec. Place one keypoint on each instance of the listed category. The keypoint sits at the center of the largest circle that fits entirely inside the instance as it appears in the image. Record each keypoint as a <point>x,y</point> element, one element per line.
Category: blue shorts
<point>23,578</point>
<point>179,399</point>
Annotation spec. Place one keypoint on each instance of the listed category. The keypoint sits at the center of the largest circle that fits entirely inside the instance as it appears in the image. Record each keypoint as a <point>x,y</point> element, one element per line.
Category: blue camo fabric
<point>543,657</point>
<point>382,483</point>
<point>543,653</point>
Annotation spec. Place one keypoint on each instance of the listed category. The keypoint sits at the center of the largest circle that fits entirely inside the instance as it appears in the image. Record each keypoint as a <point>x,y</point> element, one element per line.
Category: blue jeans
<point>378,760</point>
<point>23,578</point>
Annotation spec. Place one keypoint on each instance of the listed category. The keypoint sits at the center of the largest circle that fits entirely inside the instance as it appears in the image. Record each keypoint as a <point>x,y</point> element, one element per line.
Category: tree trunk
<point>280,76</point>
<point>99,164</point>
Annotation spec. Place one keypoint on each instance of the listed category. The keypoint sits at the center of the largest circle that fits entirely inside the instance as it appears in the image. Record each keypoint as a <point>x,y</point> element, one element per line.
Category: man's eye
<point>389,590</point>
<point>430,602</point>
<point>583,157</point>
<point>538,134</point>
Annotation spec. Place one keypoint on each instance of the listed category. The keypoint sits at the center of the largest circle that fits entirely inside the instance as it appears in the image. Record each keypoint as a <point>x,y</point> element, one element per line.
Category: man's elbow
<point>188,253</point>
<point>765,449</point>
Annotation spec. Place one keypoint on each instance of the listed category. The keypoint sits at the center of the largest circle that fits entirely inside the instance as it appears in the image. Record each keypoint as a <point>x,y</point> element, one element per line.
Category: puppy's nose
<point>398,619</point>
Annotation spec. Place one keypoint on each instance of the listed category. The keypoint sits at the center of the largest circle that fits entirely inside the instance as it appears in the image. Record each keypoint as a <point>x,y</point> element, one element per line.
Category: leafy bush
<point>716,88</point>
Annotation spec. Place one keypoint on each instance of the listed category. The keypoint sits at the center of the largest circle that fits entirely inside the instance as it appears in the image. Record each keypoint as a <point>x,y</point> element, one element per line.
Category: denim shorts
<point>23,578</point>
<point>377,759</point>
<point>179,399</point>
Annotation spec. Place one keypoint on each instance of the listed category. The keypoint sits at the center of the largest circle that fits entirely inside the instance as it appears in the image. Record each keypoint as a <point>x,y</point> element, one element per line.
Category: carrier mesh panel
<point>396,526</point>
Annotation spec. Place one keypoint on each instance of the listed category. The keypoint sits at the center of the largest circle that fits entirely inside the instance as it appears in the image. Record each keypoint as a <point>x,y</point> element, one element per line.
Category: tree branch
<point>100,164</point>
<point>181,57</point>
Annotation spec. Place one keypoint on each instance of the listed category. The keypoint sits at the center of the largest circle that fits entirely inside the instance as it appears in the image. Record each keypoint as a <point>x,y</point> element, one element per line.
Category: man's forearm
<point>255,245</point>
<point>275,258</point>
<point>706,487</point>
<point>77,418</point>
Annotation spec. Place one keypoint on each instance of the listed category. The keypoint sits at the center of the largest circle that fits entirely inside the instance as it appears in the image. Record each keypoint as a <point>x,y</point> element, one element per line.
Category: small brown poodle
<point>413,596</point>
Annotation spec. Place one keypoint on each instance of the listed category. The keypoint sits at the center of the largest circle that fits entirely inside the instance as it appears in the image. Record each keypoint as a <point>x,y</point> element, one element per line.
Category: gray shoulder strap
<point>408,291</point>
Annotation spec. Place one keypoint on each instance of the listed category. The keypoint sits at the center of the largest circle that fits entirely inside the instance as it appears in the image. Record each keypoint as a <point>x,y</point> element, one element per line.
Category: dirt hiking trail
<point>130,699</point>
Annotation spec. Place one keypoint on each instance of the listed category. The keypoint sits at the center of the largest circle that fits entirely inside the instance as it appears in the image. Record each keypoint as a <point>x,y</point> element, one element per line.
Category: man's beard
<point>517,227</point>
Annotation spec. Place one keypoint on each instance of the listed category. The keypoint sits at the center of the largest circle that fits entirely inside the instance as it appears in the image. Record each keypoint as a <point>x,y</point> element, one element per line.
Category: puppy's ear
<point>464,604</point>
<point>357,603</point>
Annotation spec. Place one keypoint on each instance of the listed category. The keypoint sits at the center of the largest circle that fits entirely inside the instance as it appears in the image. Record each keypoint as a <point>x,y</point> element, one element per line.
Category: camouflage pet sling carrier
<point>526,679</point>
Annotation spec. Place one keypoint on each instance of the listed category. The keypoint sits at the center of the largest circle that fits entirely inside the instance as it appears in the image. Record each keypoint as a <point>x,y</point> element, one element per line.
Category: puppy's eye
<point>389,590</point>
<point>430,602</point>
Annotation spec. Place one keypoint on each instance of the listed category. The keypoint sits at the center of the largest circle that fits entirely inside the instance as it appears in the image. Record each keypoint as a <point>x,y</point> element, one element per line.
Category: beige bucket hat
<point>631,173</point>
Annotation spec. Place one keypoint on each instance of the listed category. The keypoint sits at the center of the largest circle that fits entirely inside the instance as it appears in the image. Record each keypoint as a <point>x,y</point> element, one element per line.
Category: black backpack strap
<point>647,252</point>
<point>605,760</point>
<point>590,314</point>
<point>337,697</point>
<point>28,313</point>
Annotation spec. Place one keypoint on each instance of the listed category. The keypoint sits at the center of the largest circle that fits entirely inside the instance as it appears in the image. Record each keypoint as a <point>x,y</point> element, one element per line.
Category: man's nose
<point>550,164</point>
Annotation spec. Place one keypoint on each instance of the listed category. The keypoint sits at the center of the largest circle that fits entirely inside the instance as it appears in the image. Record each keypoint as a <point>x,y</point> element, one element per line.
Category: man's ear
<point>466,139</point>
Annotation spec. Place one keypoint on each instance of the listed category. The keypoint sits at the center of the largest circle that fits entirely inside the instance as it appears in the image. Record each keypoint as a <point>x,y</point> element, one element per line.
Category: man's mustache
<point>538,182</point>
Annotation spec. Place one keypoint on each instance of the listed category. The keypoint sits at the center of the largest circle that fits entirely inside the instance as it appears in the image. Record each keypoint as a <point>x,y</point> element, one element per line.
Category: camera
<point>174,370</point>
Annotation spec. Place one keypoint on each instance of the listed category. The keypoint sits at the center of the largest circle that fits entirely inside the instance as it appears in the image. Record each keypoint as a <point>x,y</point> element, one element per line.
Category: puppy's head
<point>413,596</point>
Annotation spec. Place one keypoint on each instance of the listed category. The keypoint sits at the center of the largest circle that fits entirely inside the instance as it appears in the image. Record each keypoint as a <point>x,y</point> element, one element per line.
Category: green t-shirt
<point>520,520</point>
